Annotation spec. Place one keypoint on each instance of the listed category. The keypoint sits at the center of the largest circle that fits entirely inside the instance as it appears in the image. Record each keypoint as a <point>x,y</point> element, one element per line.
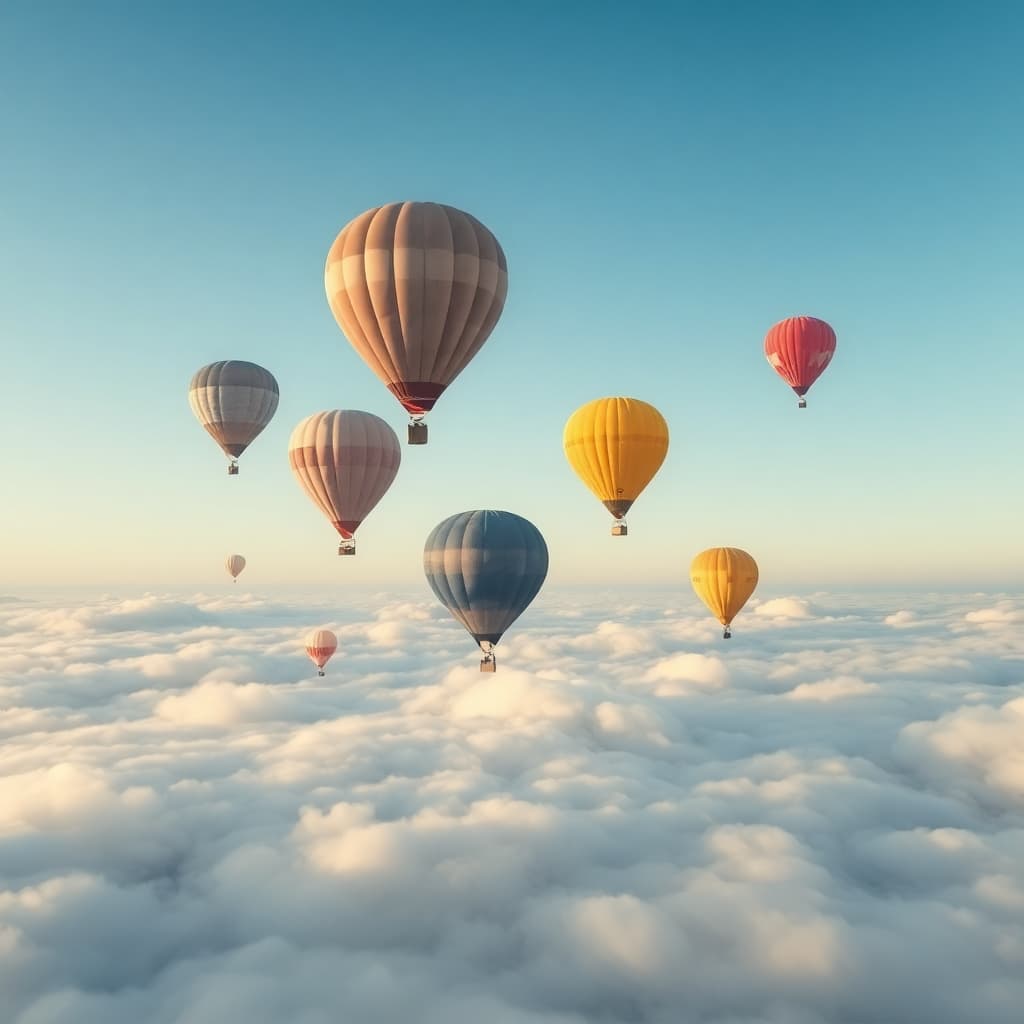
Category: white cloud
<point>838,688</point>
<point>629,817</point>
<point>631,722</point>
<point>784,608</point>
<point>616,640</point>
<point>685,672</point>
<point>901,619</point>
<point>977,748</point>
<point>1001,614</point>
<point>222,703</point>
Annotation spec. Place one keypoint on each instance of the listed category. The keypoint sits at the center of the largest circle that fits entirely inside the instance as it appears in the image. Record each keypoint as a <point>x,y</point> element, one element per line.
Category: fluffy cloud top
<point>686,672</point>
<point>832,689</point>
<point>631,821</point>
<point>1001,614</point>
<point>901,619</point>
<point>784,608</point>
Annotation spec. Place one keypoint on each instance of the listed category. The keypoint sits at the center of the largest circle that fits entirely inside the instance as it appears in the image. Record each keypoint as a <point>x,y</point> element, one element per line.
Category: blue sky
<point>667,181</point>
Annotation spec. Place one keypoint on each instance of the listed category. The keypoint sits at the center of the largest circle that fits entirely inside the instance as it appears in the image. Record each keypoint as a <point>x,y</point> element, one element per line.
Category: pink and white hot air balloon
<point>345,460</point>
<point>234,565</point>
<point>320,645</point>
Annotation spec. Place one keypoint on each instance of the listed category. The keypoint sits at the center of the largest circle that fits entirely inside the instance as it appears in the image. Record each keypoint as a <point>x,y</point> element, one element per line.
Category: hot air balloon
<point>234,565</point>
<point>724,579</point>
<point>417,289</point>
<point>234,400</point>
<point>485,567</point>
<point>320,645</point>
<point>616,445</point>
<point>344,460</point>
<point>800,348</point>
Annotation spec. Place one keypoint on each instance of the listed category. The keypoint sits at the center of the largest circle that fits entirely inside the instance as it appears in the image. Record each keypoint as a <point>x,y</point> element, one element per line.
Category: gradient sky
<point>667,181</point>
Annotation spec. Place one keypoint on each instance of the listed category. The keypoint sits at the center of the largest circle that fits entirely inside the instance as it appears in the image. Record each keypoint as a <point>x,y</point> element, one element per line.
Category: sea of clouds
<point>820,821</point>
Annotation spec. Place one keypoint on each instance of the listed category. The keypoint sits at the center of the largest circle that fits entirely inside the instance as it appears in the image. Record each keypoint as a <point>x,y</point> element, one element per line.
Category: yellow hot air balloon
<point>724,579</point>
<point>616,445</point>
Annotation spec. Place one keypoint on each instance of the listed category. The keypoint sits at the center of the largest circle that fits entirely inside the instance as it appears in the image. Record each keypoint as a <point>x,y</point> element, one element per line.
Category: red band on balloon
<point>346,527</point>
<point>416,396</point>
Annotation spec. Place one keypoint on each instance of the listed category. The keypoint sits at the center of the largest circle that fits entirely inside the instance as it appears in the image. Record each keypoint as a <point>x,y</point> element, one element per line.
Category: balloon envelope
<point>345,460</point>
<point>417,289</point>
<point>616,445</point>
<point>724,579</point>
<point>485,567</point>
<point>799,349</point>
<point>320,645</point>
<point>233,400</point>
<point>234,565</point>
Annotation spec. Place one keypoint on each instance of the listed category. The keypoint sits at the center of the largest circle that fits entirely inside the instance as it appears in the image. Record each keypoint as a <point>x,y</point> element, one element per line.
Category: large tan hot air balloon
<point>320,645</point>
<point>616,445</point>
<point>344,460</point>
<point>417,288</point>
<point>724,579</point>
<point>233,400</point>
<point>234,565</point>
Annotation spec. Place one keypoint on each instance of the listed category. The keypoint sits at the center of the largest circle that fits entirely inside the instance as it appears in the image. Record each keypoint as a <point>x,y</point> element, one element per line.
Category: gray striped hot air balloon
<point>234,565</point>
<point>485,567</point>
<point>417,289</point>
<point>344,460</point>
<point>233,400</point>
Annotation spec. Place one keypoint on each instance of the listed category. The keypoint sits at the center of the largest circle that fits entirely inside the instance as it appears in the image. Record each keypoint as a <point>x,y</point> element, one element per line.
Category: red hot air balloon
<point>800,348</point>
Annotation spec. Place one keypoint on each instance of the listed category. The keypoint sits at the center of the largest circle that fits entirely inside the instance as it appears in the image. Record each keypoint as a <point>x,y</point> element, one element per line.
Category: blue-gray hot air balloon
<point>234,400</point>
<point>485,567</point>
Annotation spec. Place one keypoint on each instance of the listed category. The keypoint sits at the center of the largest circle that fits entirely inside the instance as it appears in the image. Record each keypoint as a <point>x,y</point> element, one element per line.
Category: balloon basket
<point>802,404</point>
<point>319,671</point>
<point>417,432</point>
<point>347,547</point>
<point>233,469</point>
<point>726,633</point>
<point>487,663</point>
<point>620,530</point>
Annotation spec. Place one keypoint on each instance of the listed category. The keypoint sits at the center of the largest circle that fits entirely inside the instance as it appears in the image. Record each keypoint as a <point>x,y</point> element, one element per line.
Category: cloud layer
<point>633,820</point>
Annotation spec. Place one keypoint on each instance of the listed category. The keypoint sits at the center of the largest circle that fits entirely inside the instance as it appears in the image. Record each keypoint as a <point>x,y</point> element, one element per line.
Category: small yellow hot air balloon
<point>616,445</point>
<point>724,579</point>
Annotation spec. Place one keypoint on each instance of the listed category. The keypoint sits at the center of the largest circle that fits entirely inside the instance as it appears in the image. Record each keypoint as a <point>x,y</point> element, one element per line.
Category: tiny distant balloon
<point>485,567</point>
<point>417,288</point>
<point>799,349</point>
<point>345,460</point>
<point>234,401</point>
<point>234,565</point>
<point>724,579</point>
<point>616,445</point>
<point>320,645</point>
